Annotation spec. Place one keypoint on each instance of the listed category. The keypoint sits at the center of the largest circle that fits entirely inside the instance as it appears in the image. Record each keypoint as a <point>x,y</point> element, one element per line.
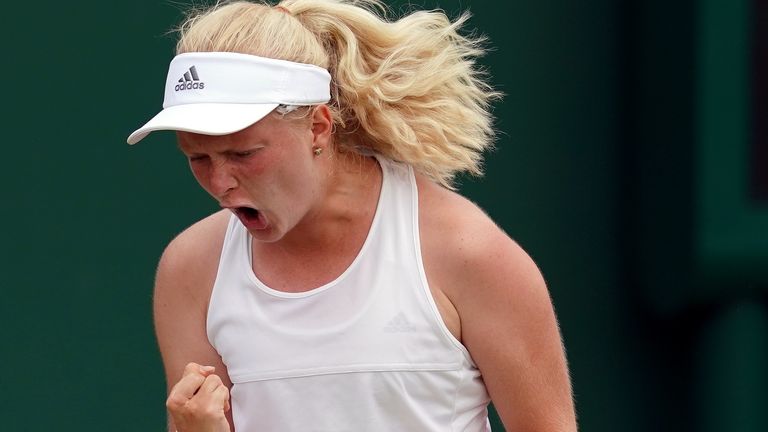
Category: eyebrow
<point>223,152</point>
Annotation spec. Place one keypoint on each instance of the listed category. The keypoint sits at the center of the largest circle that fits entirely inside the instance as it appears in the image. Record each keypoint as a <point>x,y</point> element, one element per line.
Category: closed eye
<point>244,154</point>
<point>197,158</point>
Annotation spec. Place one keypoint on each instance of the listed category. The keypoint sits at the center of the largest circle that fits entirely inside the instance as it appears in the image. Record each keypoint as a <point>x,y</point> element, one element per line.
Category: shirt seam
<point>371,368</point>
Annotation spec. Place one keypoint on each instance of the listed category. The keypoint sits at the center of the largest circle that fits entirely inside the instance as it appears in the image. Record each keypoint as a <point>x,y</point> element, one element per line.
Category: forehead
<point>262,131</point>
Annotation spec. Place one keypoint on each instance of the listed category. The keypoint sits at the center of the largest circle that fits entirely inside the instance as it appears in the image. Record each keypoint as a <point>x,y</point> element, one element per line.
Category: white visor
<point>218,93</point>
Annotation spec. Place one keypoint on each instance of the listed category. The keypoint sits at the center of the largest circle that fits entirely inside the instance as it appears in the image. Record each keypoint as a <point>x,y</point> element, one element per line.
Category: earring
<point>317,150</point>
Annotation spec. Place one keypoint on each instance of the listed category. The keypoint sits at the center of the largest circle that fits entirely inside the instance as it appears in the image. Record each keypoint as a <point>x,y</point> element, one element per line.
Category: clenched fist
<point>199,401</point>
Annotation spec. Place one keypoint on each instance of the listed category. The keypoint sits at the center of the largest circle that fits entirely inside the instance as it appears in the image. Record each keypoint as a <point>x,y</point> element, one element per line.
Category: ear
<point>322,126</point>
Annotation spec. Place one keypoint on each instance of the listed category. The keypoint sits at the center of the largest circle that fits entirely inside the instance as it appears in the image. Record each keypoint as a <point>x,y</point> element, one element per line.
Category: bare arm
<point>183,286</point>
<point>506,317</point>
<point>509,327</point>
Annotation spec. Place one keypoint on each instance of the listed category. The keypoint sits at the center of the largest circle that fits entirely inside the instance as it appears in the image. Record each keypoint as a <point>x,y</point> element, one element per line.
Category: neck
<point>349,194</point>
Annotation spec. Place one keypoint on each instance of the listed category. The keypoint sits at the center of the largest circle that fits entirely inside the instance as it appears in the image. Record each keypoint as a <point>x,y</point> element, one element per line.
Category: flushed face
<point>266,174</point>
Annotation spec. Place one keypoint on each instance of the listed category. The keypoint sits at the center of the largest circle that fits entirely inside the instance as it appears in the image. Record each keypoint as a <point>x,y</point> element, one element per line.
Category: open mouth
<point>247,212</point>
<point>251,218</point>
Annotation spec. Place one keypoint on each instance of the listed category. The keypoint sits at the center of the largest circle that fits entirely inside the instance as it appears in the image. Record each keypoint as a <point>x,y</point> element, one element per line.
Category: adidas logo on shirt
<point>190,80</point>
<point>399,324</point>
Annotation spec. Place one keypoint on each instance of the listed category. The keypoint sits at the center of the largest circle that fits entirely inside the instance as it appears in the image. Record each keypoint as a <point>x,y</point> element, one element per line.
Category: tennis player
<point>344,285</point>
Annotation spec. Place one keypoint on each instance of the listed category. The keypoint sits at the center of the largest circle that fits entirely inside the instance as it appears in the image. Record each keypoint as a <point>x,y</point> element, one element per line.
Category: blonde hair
<point>409,89</point>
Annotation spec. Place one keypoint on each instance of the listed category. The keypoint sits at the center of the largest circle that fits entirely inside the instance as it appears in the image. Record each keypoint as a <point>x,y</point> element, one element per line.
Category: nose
<point>221,179</point>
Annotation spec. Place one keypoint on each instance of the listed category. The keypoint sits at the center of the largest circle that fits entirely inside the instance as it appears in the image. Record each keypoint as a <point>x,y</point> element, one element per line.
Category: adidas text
<point>190,86</point>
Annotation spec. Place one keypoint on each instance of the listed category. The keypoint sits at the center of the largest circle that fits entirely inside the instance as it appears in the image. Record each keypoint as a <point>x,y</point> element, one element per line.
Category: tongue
<point>253,219</point>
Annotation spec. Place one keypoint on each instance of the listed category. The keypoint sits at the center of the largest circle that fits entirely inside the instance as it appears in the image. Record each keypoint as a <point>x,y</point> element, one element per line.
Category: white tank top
<point>365,352</point>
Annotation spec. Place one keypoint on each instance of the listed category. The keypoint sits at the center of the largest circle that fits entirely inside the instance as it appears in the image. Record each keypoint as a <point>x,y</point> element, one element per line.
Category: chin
<point>269,235</point>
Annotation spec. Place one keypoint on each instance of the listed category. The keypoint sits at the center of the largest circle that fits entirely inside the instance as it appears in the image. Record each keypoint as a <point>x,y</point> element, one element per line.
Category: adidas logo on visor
<point>190,81</point>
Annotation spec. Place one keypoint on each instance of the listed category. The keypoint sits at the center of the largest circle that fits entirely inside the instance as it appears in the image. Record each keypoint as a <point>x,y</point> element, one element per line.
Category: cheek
<point>200,172</point>
<point>292,186</point>
<point>258,164</point>
<point>303,187</point>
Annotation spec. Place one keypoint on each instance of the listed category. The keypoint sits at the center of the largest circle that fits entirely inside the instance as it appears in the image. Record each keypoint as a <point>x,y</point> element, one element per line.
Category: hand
<point>199,401</point>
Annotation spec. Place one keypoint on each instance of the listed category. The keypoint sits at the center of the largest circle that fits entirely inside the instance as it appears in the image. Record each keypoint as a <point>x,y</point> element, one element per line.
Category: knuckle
<point>222,392</point>
<point>214,379</point>
<point>196,378</point>
<point>175,402</point>
<point>190,379</point>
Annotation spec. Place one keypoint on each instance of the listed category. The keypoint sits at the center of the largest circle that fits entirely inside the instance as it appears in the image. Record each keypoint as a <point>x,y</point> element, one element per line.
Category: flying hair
<point>410,89</point>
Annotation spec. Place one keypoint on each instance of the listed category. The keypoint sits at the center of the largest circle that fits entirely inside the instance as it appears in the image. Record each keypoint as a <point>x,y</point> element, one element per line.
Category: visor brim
<point>204,118</point>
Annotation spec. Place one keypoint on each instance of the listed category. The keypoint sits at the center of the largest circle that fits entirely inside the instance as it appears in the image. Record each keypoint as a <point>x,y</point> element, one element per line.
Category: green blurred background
<point>625,167</point>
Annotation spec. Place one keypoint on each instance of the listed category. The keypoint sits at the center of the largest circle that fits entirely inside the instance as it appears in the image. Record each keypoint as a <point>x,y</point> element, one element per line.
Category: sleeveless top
<point>365,352</point>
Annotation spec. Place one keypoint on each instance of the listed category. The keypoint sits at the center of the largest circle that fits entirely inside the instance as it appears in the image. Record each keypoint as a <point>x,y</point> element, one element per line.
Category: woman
<point>344,285</point>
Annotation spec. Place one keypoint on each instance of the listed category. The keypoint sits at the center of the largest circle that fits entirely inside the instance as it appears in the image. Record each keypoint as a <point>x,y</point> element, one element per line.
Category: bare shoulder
<point>194,254</point>
<point>461,235</point>
<point>471,260</point>
<point>198,242</point>
<point>507,321</point>
<point>187,270</point>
